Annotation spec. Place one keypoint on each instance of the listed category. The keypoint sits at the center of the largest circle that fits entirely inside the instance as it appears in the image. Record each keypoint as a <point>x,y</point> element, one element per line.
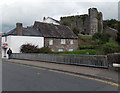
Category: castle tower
<point>93,21</point>
<point>100,22</point>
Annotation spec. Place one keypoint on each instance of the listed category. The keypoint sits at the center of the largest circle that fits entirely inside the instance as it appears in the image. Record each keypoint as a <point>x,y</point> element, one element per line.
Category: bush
<point>87,47</point>
<point>110,47</point>
<point>45,50</point>
<point>29,48</point>
<point>101,38</point>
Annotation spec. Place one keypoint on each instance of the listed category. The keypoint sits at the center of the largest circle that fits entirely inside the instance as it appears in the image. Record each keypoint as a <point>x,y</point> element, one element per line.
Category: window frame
<point>51,42</point>
<point>61,49</point>
<point>63,41</point>
<point>71,49</point>
<point>71,42</point>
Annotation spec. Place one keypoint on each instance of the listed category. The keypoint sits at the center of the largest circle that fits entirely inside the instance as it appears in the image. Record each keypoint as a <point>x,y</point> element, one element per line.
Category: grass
<point>112,43</point>
<point>87,37</point>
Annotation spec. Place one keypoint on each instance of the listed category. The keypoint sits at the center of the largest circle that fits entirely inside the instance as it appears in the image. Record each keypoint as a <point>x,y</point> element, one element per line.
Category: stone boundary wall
<point>114,58</point>
<point>86,60</point>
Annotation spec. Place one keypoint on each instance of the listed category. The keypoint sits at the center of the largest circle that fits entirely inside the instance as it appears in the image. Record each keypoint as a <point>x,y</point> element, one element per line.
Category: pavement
<point>101,73</point>
<point>18,77</point>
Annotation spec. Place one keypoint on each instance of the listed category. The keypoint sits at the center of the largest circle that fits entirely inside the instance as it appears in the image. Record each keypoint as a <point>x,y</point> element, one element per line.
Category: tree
<point>113,23</point>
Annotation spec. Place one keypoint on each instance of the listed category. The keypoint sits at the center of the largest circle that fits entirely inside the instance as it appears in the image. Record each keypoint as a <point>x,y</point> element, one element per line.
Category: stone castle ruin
<point>88,23</point>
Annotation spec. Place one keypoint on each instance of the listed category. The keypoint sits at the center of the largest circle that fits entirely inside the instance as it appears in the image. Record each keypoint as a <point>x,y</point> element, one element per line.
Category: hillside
<point>85,40</point>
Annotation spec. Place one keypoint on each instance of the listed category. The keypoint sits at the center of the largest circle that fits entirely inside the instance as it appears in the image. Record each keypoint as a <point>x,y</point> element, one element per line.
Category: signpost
<point>5,45</point>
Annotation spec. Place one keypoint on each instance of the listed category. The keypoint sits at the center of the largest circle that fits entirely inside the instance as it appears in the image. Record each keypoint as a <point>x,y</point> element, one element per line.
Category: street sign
<point>5,45</point>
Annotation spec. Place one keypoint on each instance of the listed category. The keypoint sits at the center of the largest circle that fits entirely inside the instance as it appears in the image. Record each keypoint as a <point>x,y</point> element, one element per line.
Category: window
<point>50,42</point>
<point>70,49</point>
<point>60,50</point>
<point>62,41</point>
<point>71,42</point>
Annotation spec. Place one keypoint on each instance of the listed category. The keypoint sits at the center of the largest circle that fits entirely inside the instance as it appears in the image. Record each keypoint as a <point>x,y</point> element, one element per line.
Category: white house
<point>14,42</point>
<point>56,37</point>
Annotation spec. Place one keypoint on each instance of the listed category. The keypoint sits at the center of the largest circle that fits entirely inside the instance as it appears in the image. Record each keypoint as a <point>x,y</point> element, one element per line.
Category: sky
<point>28,11</point>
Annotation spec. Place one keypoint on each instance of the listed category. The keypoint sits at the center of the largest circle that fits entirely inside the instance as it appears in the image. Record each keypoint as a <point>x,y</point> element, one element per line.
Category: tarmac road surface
<point>17,77</point>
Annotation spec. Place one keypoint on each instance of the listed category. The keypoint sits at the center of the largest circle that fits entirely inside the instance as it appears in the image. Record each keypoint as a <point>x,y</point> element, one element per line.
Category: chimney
<point>19,29</point>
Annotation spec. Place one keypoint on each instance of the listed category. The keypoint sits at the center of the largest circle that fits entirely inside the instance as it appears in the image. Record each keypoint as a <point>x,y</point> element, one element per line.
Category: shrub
<point>101,38</point>
<point>110,47</point>
<point>87,47</point>
<point>29,48</point>
<point>45,50</point>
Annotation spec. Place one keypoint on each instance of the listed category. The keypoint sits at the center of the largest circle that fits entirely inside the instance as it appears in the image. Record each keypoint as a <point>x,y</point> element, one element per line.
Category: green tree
<point>113,23</point>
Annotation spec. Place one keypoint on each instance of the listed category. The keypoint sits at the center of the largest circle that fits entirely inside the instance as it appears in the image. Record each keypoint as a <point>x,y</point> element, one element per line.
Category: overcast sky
<point>28,11</point>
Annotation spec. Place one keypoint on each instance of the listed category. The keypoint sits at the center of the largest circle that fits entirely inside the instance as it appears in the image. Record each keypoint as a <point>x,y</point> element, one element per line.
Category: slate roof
<point>29,31</point>
<point>46,30</point>
<point>56,31</point>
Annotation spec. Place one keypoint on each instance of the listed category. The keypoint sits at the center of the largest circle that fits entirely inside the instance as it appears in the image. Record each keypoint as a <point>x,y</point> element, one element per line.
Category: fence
<point>86,60</point>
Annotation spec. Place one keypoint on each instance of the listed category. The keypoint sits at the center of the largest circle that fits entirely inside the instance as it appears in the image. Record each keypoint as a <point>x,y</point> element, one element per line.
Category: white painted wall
<point>48,20</point>
<point>15,42</point>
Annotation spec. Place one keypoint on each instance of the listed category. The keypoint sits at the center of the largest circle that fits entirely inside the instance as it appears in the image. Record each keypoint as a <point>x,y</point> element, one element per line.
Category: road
<point>17,77</point>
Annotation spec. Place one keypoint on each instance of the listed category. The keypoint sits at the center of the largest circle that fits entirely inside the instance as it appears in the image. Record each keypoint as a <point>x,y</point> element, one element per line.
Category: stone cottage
<point>56,37</point>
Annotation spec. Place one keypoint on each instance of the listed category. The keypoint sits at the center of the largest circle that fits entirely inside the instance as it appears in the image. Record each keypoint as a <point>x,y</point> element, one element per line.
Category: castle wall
<point>88,23</point>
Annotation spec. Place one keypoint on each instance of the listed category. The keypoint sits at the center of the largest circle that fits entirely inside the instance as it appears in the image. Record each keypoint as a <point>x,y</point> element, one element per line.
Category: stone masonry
<point>57,44</point>
<point>88,23</point>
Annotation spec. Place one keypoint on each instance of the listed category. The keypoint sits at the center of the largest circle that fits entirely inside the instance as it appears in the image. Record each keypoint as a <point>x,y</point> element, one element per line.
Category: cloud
<point>119,10</point>
<point>28,11</point>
